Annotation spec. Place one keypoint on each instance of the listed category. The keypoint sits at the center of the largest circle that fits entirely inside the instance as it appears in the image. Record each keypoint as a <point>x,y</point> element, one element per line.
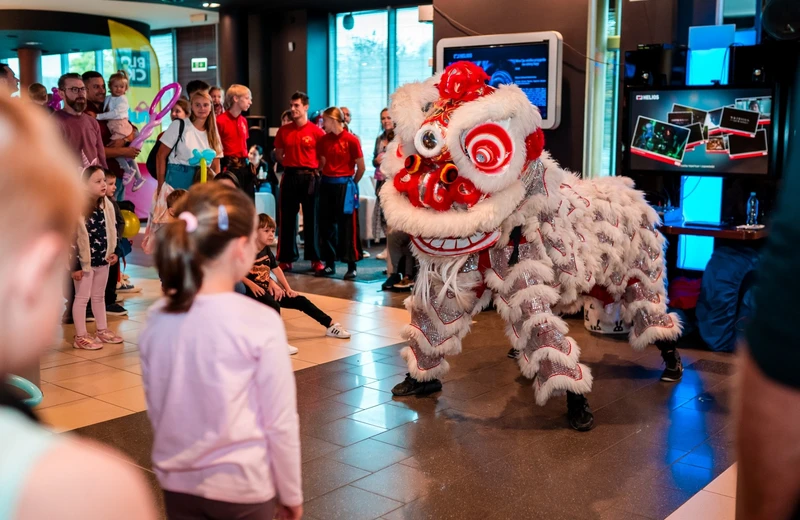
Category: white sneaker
<point>382,255</point>
<point>292,350</point>
<point>337,331</point>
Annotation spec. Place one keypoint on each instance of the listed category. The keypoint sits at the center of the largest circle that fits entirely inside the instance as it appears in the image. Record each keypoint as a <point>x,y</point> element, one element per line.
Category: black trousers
<point>181,506</point>
<point>111,285</point>
<point>339,234</point>
<point>297,189</point>
<point>300,303</point>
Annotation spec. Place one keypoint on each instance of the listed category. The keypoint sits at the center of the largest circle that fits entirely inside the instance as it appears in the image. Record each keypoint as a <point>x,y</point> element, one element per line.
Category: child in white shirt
<point>115,111</point>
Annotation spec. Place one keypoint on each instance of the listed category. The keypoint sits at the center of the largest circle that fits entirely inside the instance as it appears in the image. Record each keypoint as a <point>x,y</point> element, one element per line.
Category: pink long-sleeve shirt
<point>221,398</point>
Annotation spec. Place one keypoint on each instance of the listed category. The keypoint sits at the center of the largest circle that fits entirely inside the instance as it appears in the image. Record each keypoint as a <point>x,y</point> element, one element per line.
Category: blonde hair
<point>120,75</point>
<point>210,124</point>
<point>336,114</point>
<point>27,137</point>
<point>234,91</point>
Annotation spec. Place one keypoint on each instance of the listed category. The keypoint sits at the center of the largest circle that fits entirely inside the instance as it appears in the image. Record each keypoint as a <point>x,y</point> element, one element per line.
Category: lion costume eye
<point>429,140</point>
<point>489,147</point>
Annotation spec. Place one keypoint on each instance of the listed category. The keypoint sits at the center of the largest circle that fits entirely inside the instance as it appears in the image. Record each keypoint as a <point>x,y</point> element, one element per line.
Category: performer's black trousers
<point>339,233</point>
<point>300,303</point>
<point>297,188</point>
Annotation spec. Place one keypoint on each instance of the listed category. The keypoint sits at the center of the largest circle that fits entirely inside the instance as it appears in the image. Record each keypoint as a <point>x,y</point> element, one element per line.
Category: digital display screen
<point>525,65</point>
<point>700,131</point>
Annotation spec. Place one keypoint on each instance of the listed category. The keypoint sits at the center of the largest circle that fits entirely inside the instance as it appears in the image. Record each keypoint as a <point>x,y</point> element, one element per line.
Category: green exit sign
<point>199,64</point>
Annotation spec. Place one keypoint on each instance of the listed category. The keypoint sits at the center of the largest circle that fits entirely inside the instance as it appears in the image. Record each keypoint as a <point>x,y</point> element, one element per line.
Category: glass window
<point>164,47</point>
<point>81,62</point>
<point>414,47</point>
<point>362,70</point>
<point>109,63</point>
<point>51,70</point>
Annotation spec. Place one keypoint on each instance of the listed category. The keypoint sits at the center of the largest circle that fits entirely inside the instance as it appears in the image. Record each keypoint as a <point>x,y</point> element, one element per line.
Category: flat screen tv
<point>532,61</point>
<point>717,131</point>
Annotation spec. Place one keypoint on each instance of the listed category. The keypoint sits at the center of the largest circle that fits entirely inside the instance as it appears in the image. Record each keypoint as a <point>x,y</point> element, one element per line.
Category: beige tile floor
<point>716,502</point>
<point>83,387</point>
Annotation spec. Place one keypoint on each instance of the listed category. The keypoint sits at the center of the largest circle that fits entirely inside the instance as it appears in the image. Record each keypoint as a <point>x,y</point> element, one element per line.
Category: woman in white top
<point>182,138</point>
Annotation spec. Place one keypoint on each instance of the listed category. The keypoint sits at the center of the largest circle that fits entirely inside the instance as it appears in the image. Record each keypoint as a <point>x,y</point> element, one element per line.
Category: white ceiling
<point>157,16</point>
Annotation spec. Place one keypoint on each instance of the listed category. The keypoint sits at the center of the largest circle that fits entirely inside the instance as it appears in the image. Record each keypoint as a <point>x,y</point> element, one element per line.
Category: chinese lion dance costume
<point>492,216</point>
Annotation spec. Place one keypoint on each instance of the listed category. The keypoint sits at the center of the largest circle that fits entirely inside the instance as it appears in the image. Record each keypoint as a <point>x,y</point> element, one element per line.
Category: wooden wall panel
<point>196,42</point>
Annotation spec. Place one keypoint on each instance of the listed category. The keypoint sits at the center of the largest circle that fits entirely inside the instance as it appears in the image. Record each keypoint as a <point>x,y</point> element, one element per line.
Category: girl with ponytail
<point>218,380</point>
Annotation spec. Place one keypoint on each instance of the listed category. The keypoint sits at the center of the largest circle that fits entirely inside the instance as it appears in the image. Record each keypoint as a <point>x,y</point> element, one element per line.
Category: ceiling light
<point>33,43</point>
<point>211,5</point>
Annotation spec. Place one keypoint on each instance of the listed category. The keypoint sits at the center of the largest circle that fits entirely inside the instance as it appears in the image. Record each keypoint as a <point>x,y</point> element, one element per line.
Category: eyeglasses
<point>77,90</point>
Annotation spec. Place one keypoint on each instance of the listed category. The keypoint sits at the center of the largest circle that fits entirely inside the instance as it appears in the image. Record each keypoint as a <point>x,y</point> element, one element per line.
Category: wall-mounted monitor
<point>532,61</point>
<point>720,130</point>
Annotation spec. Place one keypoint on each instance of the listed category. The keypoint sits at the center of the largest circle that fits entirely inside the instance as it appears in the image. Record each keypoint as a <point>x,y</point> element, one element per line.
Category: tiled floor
<point>479,449</point>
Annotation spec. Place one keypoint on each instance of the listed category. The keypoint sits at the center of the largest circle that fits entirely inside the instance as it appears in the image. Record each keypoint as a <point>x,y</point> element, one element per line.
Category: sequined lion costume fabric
<point>492,216</point>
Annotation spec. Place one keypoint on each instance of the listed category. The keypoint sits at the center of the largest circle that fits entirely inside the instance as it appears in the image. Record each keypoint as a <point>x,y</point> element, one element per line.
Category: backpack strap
<point>181,126</point>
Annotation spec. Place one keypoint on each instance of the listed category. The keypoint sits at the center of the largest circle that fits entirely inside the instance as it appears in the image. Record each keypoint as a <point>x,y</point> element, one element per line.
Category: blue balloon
<point>29,388</point>
<point>208,154</point>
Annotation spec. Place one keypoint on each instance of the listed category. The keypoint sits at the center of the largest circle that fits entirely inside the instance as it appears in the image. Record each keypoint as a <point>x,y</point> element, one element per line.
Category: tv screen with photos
<point>532,61</point>
<point>700,131</point>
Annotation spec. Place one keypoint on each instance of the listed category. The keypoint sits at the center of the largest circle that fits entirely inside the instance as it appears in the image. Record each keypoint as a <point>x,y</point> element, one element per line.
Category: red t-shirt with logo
<point>299,145</point>
<point>340,152</point>
<point>233,133</point>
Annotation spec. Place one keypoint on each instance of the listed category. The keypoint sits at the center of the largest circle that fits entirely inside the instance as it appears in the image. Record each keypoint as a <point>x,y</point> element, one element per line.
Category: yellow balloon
<point>132,224</point>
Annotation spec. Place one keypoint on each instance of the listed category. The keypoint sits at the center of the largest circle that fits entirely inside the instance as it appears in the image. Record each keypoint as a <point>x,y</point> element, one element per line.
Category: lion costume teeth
<point>491,215</point>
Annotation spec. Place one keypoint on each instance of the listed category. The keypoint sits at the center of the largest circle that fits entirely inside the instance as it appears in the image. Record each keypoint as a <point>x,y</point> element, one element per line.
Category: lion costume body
<point>492,216</point>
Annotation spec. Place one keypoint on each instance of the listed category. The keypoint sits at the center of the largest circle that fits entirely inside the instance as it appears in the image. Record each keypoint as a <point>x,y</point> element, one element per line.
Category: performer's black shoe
<point>674,370</point>
<point>513,353</point>
<point>410,386</point>
<point>350,275</point>
<point>579,414</point>
<point>323,273</point>
<point>389,283</point>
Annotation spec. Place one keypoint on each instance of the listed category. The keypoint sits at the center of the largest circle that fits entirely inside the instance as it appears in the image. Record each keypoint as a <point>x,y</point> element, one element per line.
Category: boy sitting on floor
<point>263,288</point>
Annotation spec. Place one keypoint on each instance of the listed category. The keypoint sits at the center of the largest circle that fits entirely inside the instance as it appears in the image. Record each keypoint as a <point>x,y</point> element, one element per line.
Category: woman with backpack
<point>181,139</point>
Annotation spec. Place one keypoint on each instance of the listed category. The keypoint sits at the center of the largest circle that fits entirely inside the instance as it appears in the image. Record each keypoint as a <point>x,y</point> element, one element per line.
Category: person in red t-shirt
<point>296,149</point>
<point>232,125</point>
<point>340,154</point>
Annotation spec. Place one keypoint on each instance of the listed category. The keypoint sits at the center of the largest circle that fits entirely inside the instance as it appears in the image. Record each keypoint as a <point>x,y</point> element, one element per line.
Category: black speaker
<point>769,63</point>
<point>656,65</point>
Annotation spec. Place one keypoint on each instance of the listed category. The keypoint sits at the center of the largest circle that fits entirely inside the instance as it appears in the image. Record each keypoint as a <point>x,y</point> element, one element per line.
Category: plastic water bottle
<point>752,209</point>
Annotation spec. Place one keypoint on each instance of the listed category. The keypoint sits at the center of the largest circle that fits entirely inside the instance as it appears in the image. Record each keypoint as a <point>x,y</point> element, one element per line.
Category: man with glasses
<point>95,99</point>
<point>81,131</point>
<point>8,79</point>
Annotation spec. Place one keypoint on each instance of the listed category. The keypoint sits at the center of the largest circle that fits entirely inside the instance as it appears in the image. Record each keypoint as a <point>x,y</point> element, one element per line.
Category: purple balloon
<point>155,118</point>
<point>55,103</point>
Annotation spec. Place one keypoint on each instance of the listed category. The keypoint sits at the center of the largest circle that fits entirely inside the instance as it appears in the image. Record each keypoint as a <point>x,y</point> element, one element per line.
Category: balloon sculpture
<point>33,391</point>
<point>55,103</point>
<point>202,158</point>
<point>156,117</point>
<point>132,224</point>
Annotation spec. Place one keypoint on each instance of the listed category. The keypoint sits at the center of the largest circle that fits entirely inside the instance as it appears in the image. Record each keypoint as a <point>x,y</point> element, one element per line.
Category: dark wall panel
<point>289,71</point>
<point>570,18</point>
<point>196,42</point>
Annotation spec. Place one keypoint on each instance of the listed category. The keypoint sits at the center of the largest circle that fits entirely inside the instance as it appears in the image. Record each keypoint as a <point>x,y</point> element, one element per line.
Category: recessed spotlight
<point>211,5</point>
<point>33,43</point>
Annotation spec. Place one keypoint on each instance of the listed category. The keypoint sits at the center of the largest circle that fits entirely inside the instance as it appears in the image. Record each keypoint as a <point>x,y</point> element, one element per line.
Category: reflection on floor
<point>480,449</point>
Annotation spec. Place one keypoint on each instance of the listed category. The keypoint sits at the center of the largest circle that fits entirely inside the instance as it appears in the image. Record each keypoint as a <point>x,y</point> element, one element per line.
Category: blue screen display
<point>524,65</point>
